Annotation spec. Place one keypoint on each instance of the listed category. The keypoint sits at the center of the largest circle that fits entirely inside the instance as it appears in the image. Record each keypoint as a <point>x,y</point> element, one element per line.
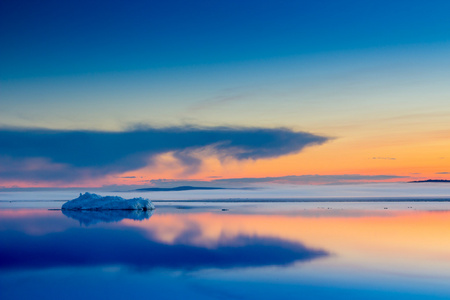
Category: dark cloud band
<point>43,154</point>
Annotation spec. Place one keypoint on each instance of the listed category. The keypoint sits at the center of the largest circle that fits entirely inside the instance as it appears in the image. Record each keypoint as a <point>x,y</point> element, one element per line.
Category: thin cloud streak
<point>292,179</point>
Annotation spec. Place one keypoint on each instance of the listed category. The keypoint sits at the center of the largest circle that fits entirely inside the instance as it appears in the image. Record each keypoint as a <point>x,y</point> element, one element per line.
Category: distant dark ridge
<point>180,188</point>
<point>430,180</point>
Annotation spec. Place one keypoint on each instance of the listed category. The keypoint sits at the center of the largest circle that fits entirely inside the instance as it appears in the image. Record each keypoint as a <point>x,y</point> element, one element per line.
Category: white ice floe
<point>89,201</point>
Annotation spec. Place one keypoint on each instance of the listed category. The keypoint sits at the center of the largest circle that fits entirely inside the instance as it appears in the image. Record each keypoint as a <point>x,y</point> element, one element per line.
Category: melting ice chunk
<point>89,201</point>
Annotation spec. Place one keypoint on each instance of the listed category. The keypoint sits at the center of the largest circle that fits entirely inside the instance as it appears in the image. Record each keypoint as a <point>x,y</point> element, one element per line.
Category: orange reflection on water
<point>395,241</point>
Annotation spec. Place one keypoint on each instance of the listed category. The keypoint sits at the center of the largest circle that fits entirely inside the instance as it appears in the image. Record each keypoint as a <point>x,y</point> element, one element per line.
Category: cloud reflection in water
<point>80,247</point>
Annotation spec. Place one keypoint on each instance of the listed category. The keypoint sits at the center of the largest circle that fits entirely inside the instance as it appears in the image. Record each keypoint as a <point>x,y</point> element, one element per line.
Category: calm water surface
<point>228,251</point>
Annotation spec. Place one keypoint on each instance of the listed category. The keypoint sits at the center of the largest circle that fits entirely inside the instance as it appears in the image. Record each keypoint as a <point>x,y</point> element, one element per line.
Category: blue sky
<point>55,38</point>
<point>370,76</point>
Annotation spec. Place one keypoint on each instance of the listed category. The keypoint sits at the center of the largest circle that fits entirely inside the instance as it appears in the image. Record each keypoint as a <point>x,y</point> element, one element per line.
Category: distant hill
<point>430,180</point>
<point>179,188</point>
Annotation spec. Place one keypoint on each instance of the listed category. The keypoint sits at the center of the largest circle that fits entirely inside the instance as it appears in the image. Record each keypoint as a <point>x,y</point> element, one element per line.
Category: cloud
<point>217,101</point>
<point>385,158</point>
<point>105,247</point>
<point>442,173</point>
<point>293,179</point>
<point>44,154</point>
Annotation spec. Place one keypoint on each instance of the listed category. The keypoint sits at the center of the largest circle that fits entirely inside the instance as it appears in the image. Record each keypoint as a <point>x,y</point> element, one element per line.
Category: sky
<point>96,93</point>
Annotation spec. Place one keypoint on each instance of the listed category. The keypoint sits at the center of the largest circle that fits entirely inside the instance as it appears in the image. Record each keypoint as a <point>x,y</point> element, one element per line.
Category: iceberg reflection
<point>90,217</point>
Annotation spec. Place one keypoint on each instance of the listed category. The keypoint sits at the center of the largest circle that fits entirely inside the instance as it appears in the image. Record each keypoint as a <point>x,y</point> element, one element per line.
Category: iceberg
<point>89,201</point>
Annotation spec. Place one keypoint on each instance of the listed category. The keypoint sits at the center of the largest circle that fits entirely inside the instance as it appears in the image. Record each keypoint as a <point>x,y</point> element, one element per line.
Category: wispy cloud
<point>44,154</point>
<point>217,101</point>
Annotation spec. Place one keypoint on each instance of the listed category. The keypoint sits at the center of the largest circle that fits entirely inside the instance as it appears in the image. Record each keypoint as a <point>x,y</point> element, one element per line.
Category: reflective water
<point>229,251</point>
